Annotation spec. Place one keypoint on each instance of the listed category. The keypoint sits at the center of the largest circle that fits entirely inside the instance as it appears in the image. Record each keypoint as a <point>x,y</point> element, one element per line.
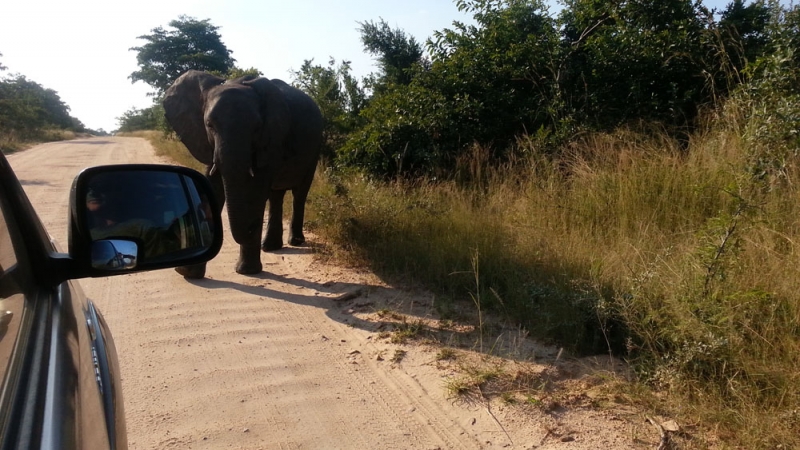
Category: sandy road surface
<point>274,361</point>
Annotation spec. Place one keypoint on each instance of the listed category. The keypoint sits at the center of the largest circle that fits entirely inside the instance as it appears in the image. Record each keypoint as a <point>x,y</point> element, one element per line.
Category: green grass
<point>446,354</point>
<point>676,258</point>
<point>406,330</point>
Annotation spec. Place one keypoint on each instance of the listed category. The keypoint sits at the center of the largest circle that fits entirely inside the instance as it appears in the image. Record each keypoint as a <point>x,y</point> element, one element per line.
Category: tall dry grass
<point>678,258</point>
<point>681,259</point>
<point>169,147</point>
<point>11,142</point>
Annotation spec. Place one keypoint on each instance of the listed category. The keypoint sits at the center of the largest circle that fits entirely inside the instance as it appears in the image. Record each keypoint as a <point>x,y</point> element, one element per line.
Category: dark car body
<point>58,364</point>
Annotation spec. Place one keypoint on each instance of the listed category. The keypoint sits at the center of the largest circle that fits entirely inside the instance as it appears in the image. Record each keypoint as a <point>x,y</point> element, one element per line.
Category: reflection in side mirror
<point>143,217</point>
<point>114,254</point>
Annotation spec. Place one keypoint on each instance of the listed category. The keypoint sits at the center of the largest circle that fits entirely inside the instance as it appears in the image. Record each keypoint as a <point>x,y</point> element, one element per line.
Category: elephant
<point>258,138</point>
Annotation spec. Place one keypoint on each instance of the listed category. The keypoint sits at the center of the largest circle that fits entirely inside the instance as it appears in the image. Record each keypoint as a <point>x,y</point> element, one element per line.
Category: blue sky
<point>79,48</point>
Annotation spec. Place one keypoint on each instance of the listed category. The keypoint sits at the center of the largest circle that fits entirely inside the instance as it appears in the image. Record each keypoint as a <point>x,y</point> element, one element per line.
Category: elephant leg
<point>193,272</point>
<point>198,271</point>
<point>250,242</point>
<point>249,260</point>
<point>296,236</point>
<point>274,238</point>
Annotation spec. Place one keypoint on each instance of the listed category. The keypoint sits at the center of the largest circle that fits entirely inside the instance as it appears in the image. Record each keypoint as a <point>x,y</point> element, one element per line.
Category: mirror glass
<point>137,216</point>
<point>114,254</point>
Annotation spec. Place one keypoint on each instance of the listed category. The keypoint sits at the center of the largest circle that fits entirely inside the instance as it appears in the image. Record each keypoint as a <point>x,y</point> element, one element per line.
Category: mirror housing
<point>137,217</point>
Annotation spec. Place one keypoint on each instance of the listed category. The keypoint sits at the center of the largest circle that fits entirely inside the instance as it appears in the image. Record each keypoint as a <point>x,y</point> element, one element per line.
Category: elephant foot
<point>249,260</point>
<point>297,241</point>
<point>192,272</point>
<point>248,268</point>
<point>270,245</point>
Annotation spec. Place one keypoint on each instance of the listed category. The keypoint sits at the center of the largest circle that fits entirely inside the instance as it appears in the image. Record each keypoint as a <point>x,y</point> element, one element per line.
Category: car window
<point>13,277</point>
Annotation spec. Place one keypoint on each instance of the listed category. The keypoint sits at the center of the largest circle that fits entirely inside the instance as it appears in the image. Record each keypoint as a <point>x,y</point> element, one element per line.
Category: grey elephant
<point>258,139</point>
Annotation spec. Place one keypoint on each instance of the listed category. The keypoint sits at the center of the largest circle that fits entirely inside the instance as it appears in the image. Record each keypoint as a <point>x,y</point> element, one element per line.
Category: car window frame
<point>24,276</point>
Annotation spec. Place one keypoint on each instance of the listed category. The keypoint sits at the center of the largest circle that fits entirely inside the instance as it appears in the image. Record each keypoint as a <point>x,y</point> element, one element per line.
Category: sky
<point>80,48</point>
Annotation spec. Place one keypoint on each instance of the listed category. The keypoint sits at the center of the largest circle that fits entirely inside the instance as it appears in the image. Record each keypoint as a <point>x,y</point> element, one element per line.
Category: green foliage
<point>29,111</point>
<point>399,133</point>
<point>236,72</point>
<point>745,31</point>
<point>633,61</point>
<point>497,78</point>
<point>397,53</point>
<point>772,98</point>
<point>135,119</point>
<point>485,83</point>
<point>338,95</point>
<point>190,44</point>
<point>518,70</point>
<point>27,108</point>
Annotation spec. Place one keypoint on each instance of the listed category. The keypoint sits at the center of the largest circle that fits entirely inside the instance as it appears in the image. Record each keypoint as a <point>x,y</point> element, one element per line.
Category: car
<point>58,363</point>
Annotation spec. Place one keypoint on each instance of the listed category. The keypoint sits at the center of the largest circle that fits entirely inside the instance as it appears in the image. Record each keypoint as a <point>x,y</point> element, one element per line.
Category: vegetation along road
<point>294,357</point>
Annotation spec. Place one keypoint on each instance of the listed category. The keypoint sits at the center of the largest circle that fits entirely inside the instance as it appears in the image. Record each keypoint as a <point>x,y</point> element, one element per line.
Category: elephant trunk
<point>245,204</point>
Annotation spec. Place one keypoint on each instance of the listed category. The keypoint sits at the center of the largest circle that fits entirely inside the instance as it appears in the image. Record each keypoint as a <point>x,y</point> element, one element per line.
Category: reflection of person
<point>105,223</point>
<point>94,200</point>
<point>100,215</point>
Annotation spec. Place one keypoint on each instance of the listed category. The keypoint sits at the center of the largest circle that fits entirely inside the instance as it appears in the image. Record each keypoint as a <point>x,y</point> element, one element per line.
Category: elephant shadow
<point>396,314</point>
<point>341,301</point>
<point>289,251</point>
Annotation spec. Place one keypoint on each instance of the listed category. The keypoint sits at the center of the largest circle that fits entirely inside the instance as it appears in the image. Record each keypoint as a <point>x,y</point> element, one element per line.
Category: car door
<point>60,385</point>
<point>17,289</point>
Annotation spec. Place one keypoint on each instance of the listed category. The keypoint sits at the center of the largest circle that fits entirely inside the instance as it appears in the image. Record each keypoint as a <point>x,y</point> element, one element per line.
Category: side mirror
<point>136,217</point>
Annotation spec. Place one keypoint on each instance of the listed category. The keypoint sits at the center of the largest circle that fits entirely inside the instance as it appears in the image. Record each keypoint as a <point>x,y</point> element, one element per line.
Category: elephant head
<point>258,135</point>
<point>207,113</point>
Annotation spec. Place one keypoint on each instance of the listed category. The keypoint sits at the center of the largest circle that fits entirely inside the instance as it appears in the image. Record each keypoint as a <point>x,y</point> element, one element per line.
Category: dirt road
<point>275,361</point>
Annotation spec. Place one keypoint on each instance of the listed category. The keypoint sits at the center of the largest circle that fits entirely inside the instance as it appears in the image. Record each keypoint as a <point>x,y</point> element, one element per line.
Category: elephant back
<point>306,122</point>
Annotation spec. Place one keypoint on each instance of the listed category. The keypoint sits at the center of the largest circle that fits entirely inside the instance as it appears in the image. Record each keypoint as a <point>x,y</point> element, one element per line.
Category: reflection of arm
<point>157,241</point>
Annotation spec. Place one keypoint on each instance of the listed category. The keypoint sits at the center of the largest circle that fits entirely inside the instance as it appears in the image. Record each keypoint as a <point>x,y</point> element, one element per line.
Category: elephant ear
<point>184,109</point>
<point>275,116</point>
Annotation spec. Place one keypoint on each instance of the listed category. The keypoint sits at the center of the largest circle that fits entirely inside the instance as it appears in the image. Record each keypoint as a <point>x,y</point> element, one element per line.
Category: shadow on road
<point>91,141</point>
<point>35,183</point>
<point>400,315</point>
<point>339,300</point>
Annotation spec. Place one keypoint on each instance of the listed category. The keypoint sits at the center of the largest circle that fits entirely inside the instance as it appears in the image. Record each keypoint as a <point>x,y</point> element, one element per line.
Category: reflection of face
<point>96,206</point>
<point>93,204</point>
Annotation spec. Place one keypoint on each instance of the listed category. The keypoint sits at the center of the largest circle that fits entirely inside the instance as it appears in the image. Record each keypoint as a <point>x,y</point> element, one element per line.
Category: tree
<point>597,65</point>
<point>236,72</point>
<point>26,107</point>
<point>190,44</point>
<point>745,30</point>
<point>486,83</point>
<point>638,60</point>
<point>397,53</point>
<point>338,95</point>
<point>135,119</point>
